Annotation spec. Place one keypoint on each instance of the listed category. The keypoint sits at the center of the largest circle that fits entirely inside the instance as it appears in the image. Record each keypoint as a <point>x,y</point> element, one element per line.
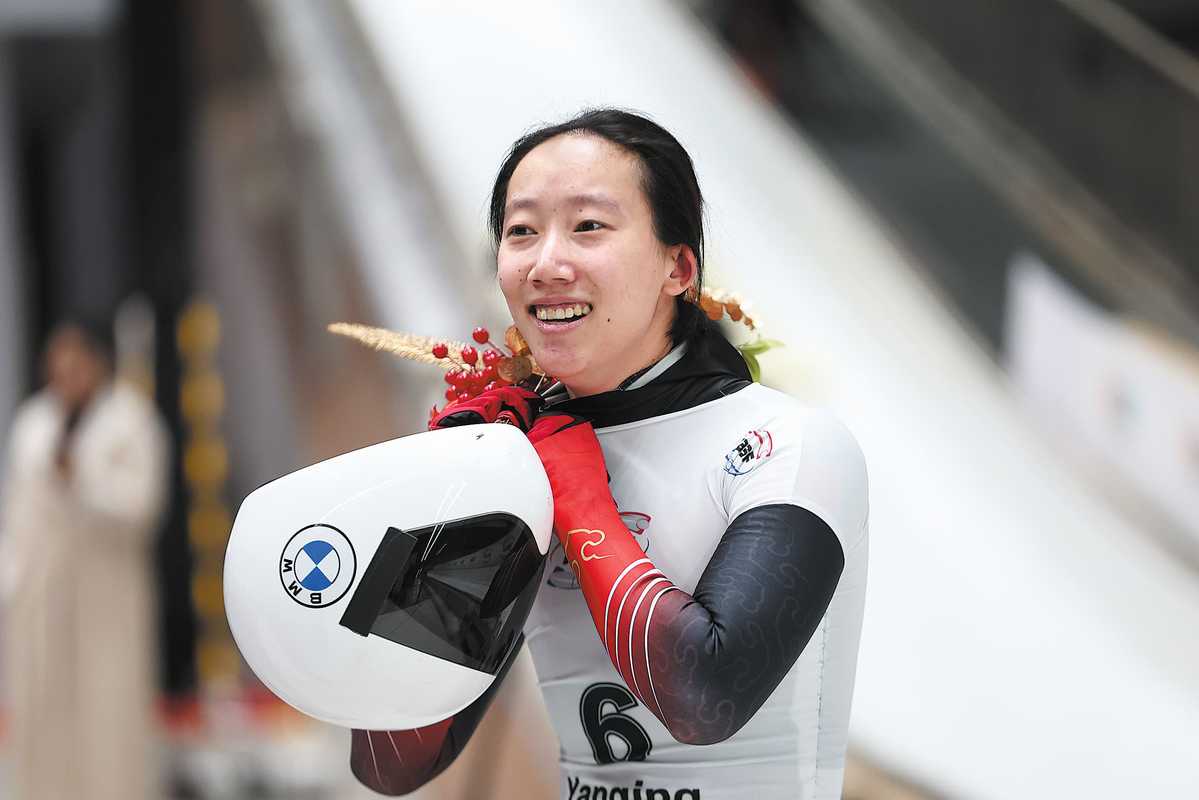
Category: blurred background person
<point>85,486</point>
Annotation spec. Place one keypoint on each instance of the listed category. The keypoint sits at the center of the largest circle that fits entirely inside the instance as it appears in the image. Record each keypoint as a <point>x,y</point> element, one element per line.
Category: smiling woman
<point>601,211</point>
<point>730,617</point>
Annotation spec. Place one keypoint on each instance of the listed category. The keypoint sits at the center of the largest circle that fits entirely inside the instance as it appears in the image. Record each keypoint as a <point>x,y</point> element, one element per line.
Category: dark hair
<point>667,177</point>
<point>95,331</point>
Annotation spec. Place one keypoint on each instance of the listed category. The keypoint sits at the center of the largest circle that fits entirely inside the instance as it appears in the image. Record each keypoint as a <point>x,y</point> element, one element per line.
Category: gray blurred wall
<point>12,323</point>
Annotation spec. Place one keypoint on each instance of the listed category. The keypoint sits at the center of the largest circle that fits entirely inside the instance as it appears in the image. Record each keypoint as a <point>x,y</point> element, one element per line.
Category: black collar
<point>710,368</point>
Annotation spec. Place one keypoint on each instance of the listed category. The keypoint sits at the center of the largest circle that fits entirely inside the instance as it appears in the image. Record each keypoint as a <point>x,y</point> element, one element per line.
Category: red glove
<point>585,516</point>
<point>510,404</point>
<point>618,582</point>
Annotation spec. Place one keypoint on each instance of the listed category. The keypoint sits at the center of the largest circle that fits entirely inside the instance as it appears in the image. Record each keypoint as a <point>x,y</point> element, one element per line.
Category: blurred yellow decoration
<point>205,468</point>
<point>207,594</point>
<point>199,330</point>
<point>209,526</point>
<point>202,397</point>
<point>205,461</point>
<point>217,659</point>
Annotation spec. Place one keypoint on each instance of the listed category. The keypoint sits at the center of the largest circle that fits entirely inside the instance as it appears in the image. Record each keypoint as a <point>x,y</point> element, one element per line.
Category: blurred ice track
<point>1022,637</point>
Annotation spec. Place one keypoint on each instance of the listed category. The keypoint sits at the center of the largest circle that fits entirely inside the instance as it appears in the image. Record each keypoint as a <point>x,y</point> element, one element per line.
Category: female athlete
<point>697,632</point>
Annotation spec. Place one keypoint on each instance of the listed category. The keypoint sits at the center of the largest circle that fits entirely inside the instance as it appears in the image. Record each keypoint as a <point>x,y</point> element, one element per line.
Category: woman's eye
<point>588,225</point>
<point>520,230</point>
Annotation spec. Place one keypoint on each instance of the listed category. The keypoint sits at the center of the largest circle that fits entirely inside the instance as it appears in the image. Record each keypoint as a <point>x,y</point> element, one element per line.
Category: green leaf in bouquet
<point>759,346</point>
<point>755,369</point>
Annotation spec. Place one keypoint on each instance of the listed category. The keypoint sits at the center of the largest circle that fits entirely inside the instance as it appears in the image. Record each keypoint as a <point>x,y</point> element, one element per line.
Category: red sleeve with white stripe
<point>624,591</point>
<point>703,663</point>
<point>401,761</point>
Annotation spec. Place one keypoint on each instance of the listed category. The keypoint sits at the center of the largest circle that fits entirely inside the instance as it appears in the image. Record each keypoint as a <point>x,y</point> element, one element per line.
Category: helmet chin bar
<point>457,590</point>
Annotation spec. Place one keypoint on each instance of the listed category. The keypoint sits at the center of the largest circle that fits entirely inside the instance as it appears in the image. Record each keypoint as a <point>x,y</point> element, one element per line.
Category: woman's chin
<point>559,364</point>
<point>560,368</point>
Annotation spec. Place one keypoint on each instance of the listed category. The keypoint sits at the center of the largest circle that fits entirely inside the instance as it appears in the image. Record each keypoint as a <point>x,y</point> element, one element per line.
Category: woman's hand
<point>574,463</point>
<point>508,404</point>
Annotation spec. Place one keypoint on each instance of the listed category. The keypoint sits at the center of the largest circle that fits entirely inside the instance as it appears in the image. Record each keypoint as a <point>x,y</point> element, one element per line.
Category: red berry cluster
<point>477,372</point>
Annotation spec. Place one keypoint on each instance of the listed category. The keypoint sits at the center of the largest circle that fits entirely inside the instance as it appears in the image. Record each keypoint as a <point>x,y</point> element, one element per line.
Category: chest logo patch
<point>754,448</point>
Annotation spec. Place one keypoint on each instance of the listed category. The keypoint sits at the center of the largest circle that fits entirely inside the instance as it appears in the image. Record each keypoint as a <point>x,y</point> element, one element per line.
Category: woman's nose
<point>553,264</point>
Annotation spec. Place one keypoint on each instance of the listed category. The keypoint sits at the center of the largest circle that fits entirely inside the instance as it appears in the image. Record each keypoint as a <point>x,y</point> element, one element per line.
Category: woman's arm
<point>712,658</point>
<point>704,662</point>
<point>398,762</point>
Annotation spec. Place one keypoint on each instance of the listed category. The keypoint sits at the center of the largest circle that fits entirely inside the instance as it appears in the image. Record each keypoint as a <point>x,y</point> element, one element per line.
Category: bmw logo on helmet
<point>317,566</point>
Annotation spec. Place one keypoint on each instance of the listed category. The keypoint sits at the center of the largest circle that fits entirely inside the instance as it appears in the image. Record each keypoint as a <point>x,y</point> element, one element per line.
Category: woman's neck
<point>583,388</point>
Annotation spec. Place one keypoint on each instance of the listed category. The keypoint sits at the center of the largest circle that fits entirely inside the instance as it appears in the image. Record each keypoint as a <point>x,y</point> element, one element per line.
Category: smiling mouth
<point>562,312</point>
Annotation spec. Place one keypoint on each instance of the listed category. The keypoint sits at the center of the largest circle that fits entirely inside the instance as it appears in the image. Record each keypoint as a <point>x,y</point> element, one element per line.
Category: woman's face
<point>73,370</point>
<point>587,281</point>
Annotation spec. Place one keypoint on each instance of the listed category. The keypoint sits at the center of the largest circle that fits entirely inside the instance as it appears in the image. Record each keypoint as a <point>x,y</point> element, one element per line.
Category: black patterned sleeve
<point>714,657</point>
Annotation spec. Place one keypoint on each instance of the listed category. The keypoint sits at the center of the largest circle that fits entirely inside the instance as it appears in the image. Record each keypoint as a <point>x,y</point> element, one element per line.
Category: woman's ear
<point>684,269</point>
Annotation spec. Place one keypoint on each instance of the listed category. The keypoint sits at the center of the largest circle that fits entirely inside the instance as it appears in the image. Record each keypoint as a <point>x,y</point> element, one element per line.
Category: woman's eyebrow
<point>585,199</point>
<point>594,199</point>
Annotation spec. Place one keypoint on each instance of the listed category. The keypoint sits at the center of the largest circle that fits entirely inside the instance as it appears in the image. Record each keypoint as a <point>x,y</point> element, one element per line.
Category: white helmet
<point>383,588</point>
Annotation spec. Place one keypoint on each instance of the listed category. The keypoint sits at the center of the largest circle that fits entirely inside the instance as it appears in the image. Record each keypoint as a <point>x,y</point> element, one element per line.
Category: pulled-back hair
<point>667,178</point>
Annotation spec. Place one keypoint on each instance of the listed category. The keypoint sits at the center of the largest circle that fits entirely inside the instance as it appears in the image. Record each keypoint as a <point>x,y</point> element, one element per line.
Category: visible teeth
<point>562,312</point>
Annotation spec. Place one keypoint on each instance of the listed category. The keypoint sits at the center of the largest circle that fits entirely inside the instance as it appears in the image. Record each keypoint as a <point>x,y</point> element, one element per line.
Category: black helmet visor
<point>458,590</point>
